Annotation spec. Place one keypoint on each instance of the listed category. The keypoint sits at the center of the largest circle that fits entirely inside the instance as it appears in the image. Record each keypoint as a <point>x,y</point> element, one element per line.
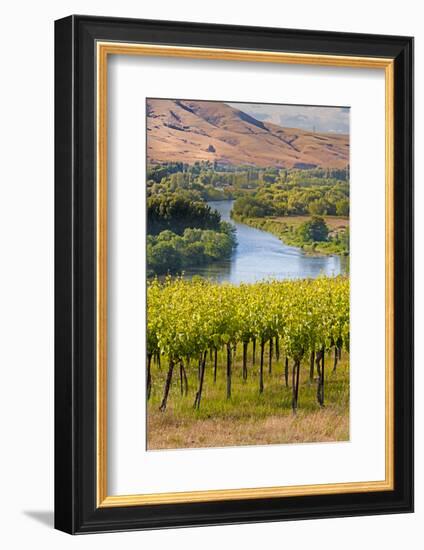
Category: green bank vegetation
<point>315,235</point>
<point>182,233</point>
<point>292,204</point>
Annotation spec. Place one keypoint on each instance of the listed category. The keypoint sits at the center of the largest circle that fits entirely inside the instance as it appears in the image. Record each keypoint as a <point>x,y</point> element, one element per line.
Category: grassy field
<point>248,418</point>
<point>334,223</point>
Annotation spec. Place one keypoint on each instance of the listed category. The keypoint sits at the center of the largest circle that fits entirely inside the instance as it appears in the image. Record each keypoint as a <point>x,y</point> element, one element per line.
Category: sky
<point>318,119</point>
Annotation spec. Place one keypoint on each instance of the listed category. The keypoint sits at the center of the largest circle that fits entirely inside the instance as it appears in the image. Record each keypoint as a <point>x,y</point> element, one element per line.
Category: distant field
<point>248,418</point>
<point>333,222</point>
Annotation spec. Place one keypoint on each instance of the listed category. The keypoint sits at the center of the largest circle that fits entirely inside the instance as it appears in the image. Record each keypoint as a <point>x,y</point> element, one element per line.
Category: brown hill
<point>189,131</point>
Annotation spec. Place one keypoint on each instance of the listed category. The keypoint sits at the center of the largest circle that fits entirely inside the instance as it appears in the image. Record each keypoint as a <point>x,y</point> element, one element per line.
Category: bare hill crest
<point>189,131</point>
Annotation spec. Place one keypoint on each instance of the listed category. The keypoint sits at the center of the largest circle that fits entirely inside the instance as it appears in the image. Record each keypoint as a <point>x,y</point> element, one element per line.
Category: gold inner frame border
<point>103,50</point>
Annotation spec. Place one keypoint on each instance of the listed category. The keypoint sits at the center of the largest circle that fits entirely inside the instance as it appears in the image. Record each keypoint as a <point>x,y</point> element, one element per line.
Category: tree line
<point>283,191</point>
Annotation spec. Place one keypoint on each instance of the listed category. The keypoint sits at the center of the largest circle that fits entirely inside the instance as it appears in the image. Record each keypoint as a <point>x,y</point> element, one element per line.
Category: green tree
<point>342,207</point>
<point>176,212</point>
<point>163,258</point>
<point>314,229</point>
<point>317,208</point>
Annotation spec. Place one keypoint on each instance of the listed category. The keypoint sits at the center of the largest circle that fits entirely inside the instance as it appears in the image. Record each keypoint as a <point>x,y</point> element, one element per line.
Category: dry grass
<point>248,418</point>
<point>167,432</point>
<point>176,132</point>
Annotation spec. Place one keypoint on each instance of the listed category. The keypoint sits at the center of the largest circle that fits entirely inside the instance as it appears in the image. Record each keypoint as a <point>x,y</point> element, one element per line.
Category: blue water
<point>260,255</point>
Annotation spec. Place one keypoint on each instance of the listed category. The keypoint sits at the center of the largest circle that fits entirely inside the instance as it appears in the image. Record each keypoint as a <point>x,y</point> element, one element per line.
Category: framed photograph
<point>234,274</point>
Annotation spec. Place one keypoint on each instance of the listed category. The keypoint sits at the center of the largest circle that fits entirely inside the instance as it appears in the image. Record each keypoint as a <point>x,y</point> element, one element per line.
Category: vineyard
<point>245,333</point>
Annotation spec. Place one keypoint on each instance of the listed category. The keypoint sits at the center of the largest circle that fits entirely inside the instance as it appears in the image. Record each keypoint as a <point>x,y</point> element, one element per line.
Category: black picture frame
<point>76,510</point>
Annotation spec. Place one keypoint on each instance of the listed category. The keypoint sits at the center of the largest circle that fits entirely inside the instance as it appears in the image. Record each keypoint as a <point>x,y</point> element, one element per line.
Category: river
<point>260,255</point>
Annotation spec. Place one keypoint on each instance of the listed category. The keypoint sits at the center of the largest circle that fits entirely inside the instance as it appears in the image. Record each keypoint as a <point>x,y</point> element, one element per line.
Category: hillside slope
<point>189,131</point>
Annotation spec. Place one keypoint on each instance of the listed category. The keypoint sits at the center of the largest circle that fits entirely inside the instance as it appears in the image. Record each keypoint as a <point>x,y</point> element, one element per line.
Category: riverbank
<point>285,228</point>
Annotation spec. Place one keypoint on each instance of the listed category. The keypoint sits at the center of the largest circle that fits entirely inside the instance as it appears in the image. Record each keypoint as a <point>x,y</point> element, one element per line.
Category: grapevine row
<point>302,320</point>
